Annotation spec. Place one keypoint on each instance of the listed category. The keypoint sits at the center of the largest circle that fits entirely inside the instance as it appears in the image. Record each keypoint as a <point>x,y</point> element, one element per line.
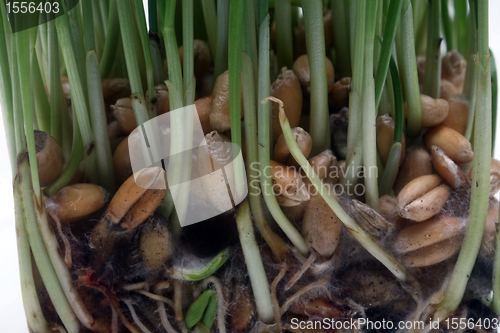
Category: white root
<point>136,286</point>
<point>134,316</point>
<point>155,297</point>
<point>221,304</point>
<point>164,318</point>
<point>67,248</point>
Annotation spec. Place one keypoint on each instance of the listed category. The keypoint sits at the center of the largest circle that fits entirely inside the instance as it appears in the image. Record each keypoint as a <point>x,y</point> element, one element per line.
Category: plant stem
<point>77,94</point>
<point>277,245</point>
<point>220,63</point>
<point>407,65</point>
<point>460,24</point>
<point>480,176</point>
<point>284,44</point>
<point>315,38</point>
<point>235,45</point>
<point>253,261</point>
<point>210,17</point>
<point>264,114</point>
<point>187,45</point>
<point>109,54</point>
<point>54,83</point>
<point>385,54</point>
<point>41,102</point>
<point>448,26</point>
<point>470,81</point>
<point>392,165</point>
<point>494,101</point>
<point>340,25</point>
<point>380,253</point>
<point>370,112</point>
<point>358,54</point>
<point>432,77</point>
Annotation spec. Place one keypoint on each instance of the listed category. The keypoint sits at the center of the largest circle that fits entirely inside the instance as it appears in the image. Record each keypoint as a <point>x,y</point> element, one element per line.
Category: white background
<point>11,310</point>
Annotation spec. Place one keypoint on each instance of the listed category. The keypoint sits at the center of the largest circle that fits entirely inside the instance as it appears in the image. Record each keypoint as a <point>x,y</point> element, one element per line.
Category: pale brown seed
<point>432,231</point>
<point>288,184</point>
<point>494,176</point>
<point>447,169</point>
<point>434,111</point>
<point>490,229</point>
<point>144,182</point>
<point>416,163</point>
<point>447,89</point>
<point>433,254</point>
<point>422,198</point>
<point>321,227</point>
<point>203,108</point>
<point>453,67</point>
<point>385,138</point>
<point>454,144</point>
<point>115,88</point>
<point>49,158</point>
<point>282,152</point>
<point>326,167</point>
<point>220,118</point>
<point>155,245</point>
<point>121,162</point>
<point>301,70</point>
<point>339,95</point>
<point>294,210</point>
<point>286,88</point>
<point>75,202</point>
<point>124,115</point>
<point>458,116</point>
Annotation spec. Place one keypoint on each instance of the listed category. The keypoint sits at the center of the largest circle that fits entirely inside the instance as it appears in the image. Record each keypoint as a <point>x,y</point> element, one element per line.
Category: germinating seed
<point>286,88</point>
<point>220,119</point>
<point>458,116</point>
<point>203,108</point>
<point>75,202</point>
<point>385,138</point>
<point>49,158</point>
<point>434,111</point>
<point>339,95</point>
<point>288,185</point>
<point>447,169</point>
<point>301,70</point>
<point>416,163</point>
<point>282,152</point>
<point>447,89</point>
<point>124,115</point>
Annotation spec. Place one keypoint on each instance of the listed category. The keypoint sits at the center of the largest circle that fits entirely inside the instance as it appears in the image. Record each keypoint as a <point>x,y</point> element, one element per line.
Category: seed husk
<point>282,153</point>
<point>385,138</point>
<point>75,202</point>
<point>49,158</point>
<point>220,119</point>
<point>203,109</point>
<point>447,169</point>
<point>124,115</point>
<point>416,163</point>
<point>447,89</point>
<point>371,221</point>
<point>453,67</point>
<point>321,227</point>
<point>494,176</point>
<point>422,198</point>
<point>454,144</point>
<point>155,245</point>
<point>430,232</point>
<point>121,162</point>
<point>339,95</point>
<point>286,88</point>
<point>458,116</point>
<point>434,111</point>
<point>301,70</point>
<point>288,185</point>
